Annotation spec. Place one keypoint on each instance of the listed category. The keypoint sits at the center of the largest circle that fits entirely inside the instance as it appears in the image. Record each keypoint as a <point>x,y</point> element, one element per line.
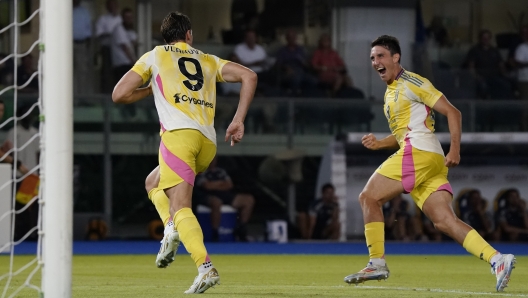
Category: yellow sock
<point>191,235</point>
<point>478,247</point>
<point>375,234</point>
<point>161,202</point>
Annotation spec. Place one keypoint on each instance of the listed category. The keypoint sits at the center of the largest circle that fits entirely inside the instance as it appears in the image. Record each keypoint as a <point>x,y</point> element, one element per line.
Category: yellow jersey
<point>183,83</point>
<point>408,107</point>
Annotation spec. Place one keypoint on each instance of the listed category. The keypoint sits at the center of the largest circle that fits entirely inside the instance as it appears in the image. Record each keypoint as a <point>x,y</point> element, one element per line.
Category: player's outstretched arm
<point>127,89</point>
<point>454,121</point>
<point>370,142</point>
<point>234,72</point>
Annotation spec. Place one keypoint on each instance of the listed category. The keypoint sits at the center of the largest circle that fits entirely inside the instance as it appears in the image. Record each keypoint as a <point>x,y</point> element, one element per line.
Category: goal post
<point>57,147</point>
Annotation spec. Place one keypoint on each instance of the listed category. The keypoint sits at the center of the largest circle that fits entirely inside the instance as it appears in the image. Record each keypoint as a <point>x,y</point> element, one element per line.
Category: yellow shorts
<point>183,154</point>
<point>420,172</point>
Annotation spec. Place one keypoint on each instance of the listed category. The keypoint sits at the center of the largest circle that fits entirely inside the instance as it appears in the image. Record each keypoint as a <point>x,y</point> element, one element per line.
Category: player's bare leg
<point>171,239</point>
<point>191,235</point>
<point>378,191</point>
<point>439,210</point>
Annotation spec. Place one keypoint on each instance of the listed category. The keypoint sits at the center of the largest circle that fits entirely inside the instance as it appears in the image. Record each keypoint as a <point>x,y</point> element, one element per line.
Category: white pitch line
<point>440,291</point>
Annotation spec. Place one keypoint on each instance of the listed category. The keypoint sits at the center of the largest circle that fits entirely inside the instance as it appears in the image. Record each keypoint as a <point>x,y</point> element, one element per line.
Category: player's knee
<point>150,183</point>
<point>365,198</point>
<point>443,225</point>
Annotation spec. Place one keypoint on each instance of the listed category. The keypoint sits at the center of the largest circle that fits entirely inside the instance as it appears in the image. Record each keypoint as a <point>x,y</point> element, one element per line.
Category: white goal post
<point>57,147</point>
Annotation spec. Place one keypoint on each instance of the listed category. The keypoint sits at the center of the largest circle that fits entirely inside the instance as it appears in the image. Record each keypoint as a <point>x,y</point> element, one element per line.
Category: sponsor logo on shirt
<point>178,98</point>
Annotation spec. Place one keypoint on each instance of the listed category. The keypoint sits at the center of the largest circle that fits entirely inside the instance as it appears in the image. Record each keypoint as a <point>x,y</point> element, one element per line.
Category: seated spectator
<point>252,55</point>
<point>217,189</point>
<point>486,64</point>
<point>329,66</point>
<point>513,218</point>
<point>398,221</point>
<point>324,216</point>
<point>521,61</point>
<point>293,65</point>
<point>475,215</point>
<point>24,73</point>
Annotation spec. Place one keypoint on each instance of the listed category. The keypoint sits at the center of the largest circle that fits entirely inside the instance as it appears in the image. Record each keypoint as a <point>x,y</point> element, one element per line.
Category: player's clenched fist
<point>370,142</point>
<point>452,159</point>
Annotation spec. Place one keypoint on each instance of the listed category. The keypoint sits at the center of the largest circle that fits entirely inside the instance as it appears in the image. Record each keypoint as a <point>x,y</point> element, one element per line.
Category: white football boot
<point>370,272</point>
<point>204,281</point>
<point>503,269</point>
<point>168,249</point>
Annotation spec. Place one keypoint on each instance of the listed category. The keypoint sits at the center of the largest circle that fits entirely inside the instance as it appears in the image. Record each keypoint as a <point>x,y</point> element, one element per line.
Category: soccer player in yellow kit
<point>183,82</point>
<point>418,167</point>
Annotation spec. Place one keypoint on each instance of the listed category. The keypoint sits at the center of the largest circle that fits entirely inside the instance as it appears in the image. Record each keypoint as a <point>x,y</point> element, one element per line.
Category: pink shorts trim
<point>178,166</point>
<point>446,187</point>
<point>408,171</point>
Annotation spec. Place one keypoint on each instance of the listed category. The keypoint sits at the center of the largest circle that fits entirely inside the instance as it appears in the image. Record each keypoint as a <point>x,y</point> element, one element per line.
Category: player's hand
<point>370,142</point>
<point>452,159</point>
<point>235,132</point>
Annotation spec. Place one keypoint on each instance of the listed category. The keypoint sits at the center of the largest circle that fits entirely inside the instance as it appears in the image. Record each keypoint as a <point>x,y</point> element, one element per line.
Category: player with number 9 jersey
<point>183,82</point>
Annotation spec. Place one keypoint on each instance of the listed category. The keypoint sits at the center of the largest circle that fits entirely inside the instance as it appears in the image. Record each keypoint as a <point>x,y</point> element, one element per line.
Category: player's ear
<point>188,37</point>
<point>396,58</point>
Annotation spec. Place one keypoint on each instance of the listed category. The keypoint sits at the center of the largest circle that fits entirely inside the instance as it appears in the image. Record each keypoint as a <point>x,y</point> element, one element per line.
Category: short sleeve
<point>220,63</point>
<point>143,67</point>
<point>424,91</point>
<point>120,35</point>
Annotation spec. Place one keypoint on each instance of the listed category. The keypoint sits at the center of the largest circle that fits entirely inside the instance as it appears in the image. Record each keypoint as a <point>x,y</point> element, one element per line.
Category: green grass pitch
<point>281,276</point>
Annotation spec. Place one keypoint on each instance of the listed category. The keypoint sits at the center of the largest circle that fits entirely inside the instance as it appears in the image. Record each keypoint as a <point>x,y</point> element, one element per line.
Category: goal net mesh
<point>20,135</point>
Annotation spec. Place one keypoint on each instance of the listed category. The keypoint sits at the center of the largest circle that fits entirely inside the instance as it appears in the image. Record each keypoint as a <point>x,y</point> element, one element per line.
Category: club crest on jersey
<point>396,94</point>
<point>191,100</point>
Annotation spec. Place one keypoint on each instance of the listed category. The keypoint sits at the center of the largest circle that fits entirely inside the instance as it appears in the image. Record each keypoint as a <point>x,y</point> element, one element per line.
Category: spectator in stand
<point>6,157</point>
<point>104,28</point>
<point>124,42</point>
<point>330,67</point>
<point>438,32</point>
<point>24,72</point>
<point>26,138</point>
<point>398,220</point>
<point>252,55</point>
<point>324,215</point>
<point>82,62</point>
<point>476,216</point>
<point>215,189</point>
<point>293,65</point>
<point>513,219</point>
<point>486,64</point>
<point>521,60</point>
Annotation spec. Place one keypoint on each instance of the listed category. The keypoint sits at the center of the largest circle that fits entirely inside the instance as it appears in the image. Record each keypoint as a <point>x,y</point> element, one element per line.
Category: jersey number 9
<point>198,76</point>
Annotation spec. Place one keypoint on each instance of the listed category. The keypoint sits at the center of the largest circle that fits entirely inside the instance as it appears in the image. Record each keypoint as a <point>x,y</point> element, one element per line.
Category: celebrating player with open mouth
<point>183,81</point>
<point>418,167</point>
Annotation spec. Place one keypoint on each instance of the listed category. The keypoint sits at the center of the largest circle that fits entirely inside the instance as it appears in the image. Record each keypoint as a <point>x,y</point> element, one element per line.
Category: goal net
<point>36,149</point>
